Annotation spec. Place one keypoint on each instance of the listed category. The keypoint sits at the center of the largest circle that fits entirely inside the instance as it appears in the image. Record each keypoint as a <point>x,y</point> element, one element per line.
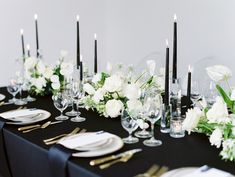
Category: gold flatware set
<point>154,171</point>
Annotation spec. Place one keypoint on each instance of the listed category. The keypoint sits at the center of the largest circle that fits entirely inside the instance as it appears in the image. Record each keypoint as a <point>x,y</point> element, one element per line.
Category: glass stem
<point>152,130</point>
<point>20,93</point>
<point>61,112</point>
<point>72,106</point>
<point>130,136</point>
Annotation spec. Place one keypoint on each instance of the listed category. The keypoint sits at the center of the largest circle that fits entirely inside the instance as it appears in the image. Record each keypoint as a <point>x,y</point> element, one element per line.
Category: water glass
<point>20,83</point>
<point>60,102</point>
<point>166,117</point>
<point>176,130</point>
<point>129,123</point>
<point>70,95</point>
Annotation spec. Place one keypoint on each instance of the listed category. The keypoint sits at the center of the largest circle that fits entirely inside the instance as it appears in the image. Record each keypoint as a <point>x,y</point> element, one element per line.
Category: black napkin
<point>58,158</point>
<point>4,167</point>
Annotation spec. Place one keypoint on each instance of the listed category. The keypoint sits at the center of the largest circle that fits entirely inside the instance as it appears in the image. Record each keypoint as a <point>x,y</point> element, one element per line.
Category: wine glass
<point>129,123</point>
<point>154,108</point>
<point>60,102</point>
<point>69,92</point>
<point>211,94</point>
<point>20,83</point>
<point>78,93</point>
<point>195,93</point>
<point>27,87</point>
<point>13,89</point>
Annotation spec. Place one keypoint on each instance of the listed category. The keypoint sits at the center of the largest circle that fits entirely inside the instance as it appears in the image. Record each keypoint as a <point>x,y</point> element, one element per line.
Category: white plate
<point>179,172</point>
<point>2,97</point>
<point>111,146</point>
<point>43,115</point>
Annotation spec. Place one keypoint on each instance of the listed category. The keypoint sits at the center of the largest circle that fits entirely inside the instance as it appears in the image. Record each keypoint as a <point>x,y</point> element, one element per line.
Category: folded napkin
<point>20,113</point>
<point>206,171</point>
<point>81,140</point>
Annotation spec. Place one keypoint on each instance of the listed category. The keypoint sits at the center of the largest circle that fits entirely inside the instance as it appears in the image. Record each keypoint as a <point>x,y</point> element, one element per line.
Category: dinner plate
<point>179,172</point>
<point>42,115</point>
<point>113,144</point>
<point>2,97</point>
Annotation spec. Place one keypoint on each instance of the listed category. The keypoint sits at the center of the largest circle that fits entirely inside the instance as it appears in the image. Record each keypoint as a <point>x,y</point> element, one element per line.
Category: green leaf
<point>225,97</point>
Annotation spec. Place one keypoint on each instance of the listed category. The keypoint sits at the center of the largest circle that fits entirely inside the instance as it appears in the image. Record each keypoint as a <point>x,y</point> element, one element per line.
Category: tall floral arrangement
<point>110,92</point>
<point>44,79</point>
<point>218,122</point>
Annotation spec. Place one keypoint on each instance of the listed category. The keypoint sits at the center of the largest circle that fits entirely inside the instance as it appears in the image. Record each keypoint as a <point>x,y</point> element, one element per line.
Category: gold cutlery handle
<point>28,127</point>
<point>162,170</point>
<point>54,138</point>
<point>106,165</point>
<point>102,160</point>
<point>26,131</point>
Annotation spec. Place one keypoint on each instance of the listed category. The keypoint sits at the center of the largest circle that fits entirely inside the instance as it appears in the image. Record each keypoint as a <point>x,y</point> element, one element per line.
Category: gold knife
<point>34,126</point>
<point>112,157</point>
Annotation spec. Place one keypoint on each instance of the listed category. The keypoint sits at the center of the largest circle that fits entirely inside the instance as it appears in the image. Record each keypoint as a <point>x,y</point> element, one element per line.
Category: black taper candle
<point>78,43</point>
<point>95,56</point>
<point>166,98</point>
<point>22,41</point>
<point>174,73</point>
<point>81,69</point>
<point>189,87</point>
<point>28,50</point>
<point>36,27</point>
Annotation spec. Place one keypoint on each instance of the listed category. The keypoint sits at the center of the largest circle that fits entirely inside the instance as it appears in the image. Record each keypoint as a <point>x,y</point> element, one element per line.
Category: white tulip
<point>114,108</point>
<point>39,83</point>
<point>216,137</point>
<point>131,91</point>
<point>30,63</point>
<point>113,83</point>
<point>109,67</point>
<point>96,78</point>
<point>48,72</point>
<point>219,72</point>
<point>41,67</point>
<point>88,88</point>
<point>218,112</point>
<point>99,95</point>
<point>151,65</point>
<point>192,118</point>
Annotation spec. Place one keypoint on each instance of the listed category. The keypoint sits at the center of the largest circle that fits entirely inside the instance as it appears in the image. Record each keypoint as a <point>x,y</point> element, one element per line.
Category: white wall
<point>128,30</point>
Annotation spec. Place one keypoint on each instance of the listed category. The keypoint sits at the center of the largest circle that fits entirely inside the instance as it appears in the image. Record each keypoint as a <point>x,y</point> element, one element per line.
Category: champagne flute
<point>154,108</point>
<point>13,89</point>
<point>60,102</point>
<point>129,124</point>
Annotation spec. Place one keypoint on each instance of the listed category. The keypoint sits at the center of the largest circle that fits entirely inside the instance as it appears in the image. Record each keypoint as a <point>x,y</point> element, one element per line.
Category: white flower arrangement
<point>218,122</point>
<point>112,92</point>
<point>44,79</point>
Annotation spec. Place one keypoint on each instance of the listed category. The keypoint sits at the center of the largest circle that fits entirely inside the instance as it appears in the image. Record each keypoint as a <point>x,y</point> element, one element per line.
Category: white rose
<point>216,137</point>
<point>88,88</point>
<point>113,83</point>
<point>232,97</point>
<point>151,64</point>
<point>55,85</point>
<point>63,53</point>
<point>30,63</point>
<point>41,67</point>
<point>99,95</point>
<point>109,67</point>
<point>131,91</point>
<point>114,108</point>
<point>192,118</point>
<point>66,69</point>
<point>218,112</point>
<point>218,72</point>
<point>48,72</point>
<point>142,124</point>
<point>96,78</point>
<point>55,78</point>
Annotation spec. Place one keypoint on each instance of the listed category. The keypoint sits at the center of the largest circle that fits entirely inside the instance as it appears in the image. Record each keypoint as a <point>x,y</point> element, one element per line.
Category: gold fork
<point>124,159</point>
<point>162,170</point>
<point>153,169</point>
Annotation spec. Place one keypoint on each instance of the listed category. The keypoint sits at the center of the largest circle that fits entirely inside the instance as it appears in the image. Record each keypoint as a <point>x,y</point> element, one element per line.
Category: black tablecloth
<point>28,155</point>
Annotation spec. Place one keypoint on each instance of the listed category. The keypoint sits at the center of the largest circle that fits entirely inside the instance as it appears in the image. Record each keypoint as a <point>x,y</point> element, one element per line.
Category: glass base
<point>29,99</point>
<point>61,117</point>
<point>152,142</point>
<point>78,119</point>
<point>11,100</point>
<point>177,135</point>
<point>165,130</point>
<point>20,102</point>
<point>130,140</point>
<point>143,134</point>
<point>71,113</point>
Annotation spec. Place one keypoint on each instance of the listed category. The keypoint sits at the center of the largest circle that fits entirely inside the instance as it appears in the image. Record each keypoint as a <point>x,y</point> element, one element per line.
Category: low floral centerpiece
<point>218,122</point>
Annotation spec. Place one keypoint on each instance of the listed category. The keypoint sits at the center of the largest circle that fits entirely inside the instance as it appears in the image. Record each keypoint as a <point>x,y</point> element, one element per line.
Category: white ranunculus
<point>218,112</point>
<point>113,83</point>
<point>96,78</point>
<point>131,91</point>
<point>151,65</point>
<point>41,67</point>
<point>232,97</point>
<point>48,72</point>
<point>88,88</point>
<point>216,137</point>
<point>99,95</point>
<point>66,69</point>
<point>55,78</point>
<point>114,108</point>
<point>30,63</point>
<point>55,85</point>
<point>218,72</point>
<point>142,124</point>
<point>63,53</point>
<point>192,118</point>
<point>109,67</point>
<point>134,105</point>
